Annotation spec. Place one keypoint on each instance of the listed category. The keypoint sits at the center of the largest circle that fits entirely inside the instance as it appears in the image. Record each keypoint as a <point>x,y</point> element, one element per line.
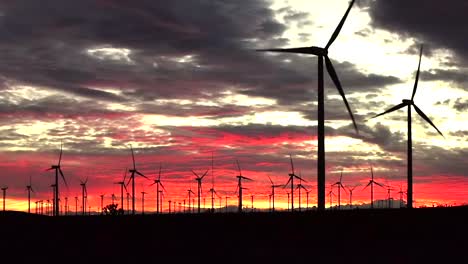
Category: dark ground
<point>432,235</point>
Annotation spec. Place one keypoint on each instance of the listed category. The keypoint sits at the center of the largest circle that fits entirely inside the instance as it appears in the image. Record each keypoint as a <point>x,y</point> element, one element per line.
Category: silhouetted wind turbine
<point>143,202</point>
<point>190,192</point>
<point>273,186</point>
<point>132,178</point>
<point>299,187</point>
<point>158,183</point>
<point>371,183</point>
<point>401,193</point>
<point>331,194</point>
<point>340,186</point>
<point>76,205</point>
<point>102,203</point>
<point>122,187</point>
<point>240,177</point>
<point>4,196</point>
<point>29,189</point>
<point>350,190</point>
<point>84,194</point>
<point>56,189</point>
<point>323,53</point>
<point>409,103</point>
<point>292,175</point>
<point>199,179</point>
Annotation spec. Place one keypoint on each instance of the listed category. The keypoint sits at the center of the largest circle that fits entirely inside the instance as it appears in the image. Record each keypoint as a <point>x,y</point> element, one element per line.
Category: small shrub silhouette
<point>111,209</point>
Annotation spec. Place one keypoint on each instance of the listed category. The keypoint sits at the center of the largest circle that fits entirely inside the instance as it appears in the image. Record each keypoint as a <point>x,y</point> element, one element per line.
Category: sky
<point>180,82</point>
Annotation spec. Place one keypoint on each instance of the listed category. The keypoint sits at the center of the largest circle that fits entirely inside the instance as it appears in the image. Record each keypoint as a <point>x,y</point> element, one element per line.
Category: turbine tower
<point>122,187</point>
<point>322,53</point>
<point>409,103</point>
<point>4,196</point>
<point>56,188</point>
<point>340,186</point>
<point>84,195</point>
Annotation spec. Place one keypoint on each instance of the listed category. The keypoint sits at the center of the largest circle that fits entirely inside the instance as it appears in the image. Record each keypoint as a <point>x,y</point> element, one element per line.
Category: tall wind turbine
<point>56,189</point>
<point>292,175</point>
<point>371,183</point>
<point>273,186</point>
<point>409,103</point>
<point>340,186</point>
<point>84,194</point>
<point>29,189</point>
<point>190,192</point>
<point>240,177</point>
<point>299,187</point>
<point>199,179</point>
<point>132,178</point>
<point>4,196</point>
<point>158,183</point>
<point>322,53</point>
<point>122,187</point>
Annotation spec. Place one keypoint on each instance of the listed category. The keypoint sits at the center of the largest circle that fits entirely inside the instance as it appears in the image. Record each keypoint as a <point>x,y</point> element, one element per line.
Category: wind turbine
<point>84,194</point>
<point>56,189</point>
<point>409,103</point>
<point>273,186</point>
<point>199,184</point>
<point>322,53</point>
<point>350,190</point>
<point>300,186</point>
<point>102,203</point>
<point>371,183</point>
<point>292,175</point>
<point>29,189</point>
<point>190,192</point>
<point>76,205</point>
<point>389,196</point>
<point>4,196</point>
<point>158,183</point>
<point>401,193</point>
<point>132,178</point>
<point>331,194</point>
<point>122,187</point>
<point>340,186</point>
<point>240,177</point>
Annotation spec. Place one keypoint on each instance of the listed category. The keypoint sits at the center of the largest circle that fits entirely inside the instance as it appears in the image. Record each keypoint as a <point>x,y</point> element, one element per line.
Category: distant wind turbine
<point>102,203</point>
<point>29,189</point>
<point>199,179</point>
<point>84,194</point>
<point>409,103</point>
<point>323,53</point>
<point>190,192</point>
<point>122,187</point>
<point>350,190</point>
<point>292,175</point>
<point>299,187</point>
<point>143,202</point>
<point>240,177</point>
<point>132,178</point>
<point>58,170</point>
<point>340,186</point>
<point>158,183</point>
<point>371,183</point>
<point>273,186</point>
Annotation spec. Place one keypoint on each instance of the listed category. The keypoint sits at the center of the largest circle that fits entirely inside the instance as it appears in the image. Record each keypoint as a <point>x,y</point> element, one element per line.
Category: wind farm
<point>239,151</point>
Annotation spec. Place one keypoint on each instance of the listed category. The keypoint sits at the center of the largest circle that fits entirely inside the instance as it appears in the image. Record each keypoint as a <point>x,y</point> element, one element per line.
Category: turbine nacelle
<point>407,101</point>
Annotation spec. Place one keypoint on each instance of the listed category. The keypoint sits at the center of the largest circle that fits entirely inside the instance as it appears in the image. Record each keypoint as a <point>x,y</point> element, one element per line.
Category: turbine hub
<point>319,51</point>
<point>407,101</point>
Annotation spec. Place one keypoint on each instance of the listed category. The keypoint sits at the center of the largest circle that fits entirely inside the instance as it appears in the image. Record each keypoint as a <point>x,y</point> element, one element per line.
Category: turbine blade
<point>238,167</point>
<point>63,177</point>
<point>340,25</point>
<point>396,107</point>
<point>426,118</point>
<point>60,157</point>
<point>286,184</point>
<point>204,174</point>
<point>125,187</point>
<point>86,181</point>
<point>162,186</point>
<point>159,177</point>
<point>417,74</point>
<point>49,169</point>
<point>270,180</point>
<point>379,184</point>
<point>367,185</point>
<point>133,157</point>
<point>141,174</point>
<point>302,50</point>
<point>195,174</point>
<point>292,164</point>
<point>152,184</point>
<point>245,178</point>
<point>300,178</point>
<point>125,174</point>
<point>336,81</point>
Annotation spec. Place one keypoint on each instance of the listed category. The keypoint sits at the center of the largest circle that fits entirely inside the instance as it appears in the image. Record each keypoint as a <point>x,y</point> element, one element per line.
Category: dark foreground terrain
<point>432,235</point>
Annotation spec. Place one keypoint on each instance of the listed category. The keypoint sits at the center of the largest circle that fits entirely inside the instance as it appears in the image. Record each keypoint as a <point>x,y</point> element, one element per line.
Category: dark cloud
<point>437,24</point>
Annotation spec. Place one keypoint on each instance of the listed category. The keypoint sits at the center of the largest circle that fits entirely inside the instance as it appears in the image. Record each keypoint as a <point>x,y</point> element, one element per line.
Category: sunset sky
<point>179,80</point>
